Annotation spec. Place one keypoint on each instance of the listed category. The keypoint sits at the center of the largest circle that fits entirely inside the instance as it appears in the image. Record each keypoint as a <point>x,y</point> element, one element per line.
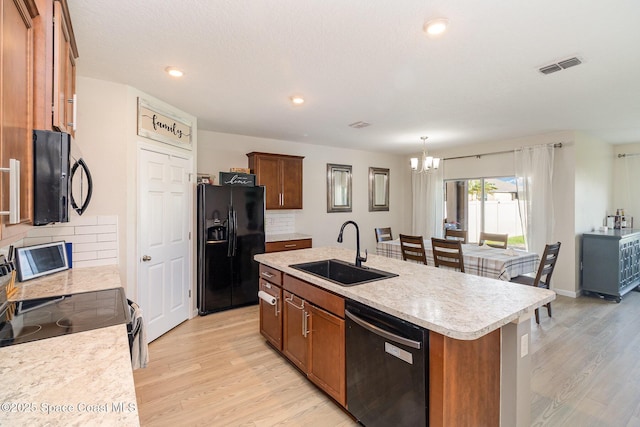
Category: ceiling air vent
<point>569,62</point>
<point>561,65</point>
<point>359,125</point>
<point>550,69</point>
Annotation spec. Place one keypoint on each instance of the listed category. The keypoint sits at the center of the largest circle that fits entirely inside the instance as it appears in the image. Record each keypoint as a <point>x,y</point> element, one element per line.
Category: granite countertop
<point>270,238</point>
<point>78,379</point>
<point>454,304</point>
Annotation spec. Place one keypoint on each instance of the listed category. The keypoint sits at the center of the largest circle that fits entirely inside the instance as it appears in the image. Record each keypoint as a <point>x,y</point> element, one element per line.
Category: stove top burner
<point>88,317</point>
<point>30,320</point>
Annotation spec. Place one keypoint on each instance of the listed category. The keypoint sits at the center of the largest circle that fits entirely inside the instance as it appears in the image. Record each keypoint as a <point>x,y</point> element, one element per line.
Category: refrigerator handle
<point>235,231</point>
<point>231,234</point>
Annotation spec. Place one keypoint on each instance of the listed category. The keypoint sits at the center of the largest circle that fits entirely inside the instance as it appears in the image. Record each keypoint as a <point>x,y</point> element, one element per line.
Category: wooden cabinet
<point>55,62</point>
<point>287,245</point>
<point>312,332</point>
<point>16,100</point>
<point>281,175</point>
<point>327,358</point>
<point>611,262</point>
<point>296,342</point>
<point>271,315</point>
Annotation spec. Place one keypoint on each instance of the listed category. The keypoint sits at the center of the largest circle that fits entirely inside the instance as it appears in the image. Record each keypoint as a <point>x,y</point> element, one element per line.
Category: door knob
<point>146,258</point>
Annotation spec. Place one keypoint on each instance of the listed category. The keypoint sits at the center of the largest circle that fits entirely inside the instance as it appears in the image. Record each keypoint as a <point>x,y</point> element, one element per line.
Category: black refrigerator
<point>230,233</point>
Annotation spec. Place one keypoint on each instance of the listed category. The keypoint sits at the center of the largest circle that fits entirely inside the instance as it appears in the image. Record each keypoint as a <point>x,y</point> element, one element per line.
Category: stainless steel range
<point>35,319</point>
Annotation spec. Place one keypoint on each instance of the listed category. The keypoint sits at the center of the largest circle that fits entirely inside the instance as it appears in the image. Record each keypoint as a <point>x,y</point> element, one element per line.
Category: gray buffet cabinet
<point>611,262</point>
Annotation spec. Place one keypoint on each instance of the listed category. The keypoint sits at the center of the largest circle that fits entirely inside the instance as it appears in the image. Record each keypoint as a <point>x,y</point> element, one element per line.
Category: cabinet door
<point>271,316</point>
<point>295,343</point>
<point>327,361</point>
<point>16,89</point>
<point>269,175</point>
<point>62,69</point>
<point>291,178</point>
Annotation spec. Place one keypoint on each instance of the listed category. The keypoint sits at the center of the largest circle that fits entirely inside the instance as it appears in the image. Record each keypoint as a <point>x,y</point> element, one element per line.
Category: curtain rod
<point>556,145</point>
<point>628,155</point>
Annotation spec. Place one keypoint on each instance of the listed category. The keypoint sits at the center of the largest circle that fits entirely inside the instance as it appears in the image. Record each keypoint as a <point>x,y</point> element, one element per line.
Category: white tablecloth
<point>479,260</point>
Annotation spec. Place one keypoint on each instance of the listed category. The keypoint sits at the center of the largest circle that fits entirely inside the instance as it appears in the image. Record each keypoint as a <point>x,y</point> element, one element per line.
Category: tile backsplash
<point>94,238</point>
<point>279,222</point>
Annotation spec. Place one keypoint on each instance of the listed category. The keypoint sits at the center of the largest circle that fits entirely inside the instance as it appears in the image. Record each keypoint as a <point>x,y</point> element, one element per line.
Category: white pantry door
<point>164,214</point>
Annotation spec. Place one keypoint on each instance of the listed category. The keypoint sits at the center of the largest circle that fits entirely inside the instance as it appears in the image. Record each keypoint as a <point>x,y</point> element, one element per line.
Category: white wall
<point>219,152</point>
<point>107,136</point>
<point>594,184</point>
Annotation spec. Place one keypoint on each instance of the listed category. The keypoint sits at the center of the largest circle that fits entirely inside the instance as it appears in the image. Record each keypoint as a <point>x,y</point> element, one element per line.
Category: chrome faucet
<point>359,259</point>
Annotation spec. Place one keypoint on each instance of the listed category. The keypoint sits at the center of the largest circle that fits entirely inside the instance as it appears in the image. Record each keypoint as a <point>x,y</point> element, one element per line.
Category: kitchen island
<point>467,316</point>
<point>83,378</point>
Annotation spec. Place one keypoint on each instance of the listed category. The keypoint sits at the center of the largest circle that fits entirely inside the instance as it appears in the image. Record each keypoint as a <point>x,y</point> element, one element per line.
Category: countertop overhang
<point>457,305</point>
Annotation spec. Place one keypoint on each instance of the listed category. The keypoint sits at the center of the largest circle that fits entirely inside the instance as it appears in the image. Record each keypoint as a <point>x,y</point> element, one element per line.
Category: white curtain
<point>631,196</point>
<point>534,180</point>
<point>428,203</point>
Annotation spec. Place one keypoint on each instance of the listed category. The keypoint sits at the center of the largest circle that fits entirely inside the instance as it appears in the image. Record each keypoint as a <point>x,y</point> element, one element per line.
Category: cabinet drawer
<point>271,274</point>
<point>287,245</point>
<point>319,297</point>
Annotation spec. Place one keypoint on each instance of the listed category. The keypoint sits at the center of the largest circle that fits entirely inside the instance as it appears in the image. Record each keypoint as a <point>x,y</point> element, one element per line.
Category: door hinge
<point>189,293</point>
<point>189,235</point>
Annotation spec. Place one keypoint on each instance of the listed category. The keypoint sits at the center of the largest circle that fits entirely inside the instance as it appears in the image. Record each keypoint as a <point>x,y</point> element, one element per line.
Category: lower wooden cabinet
<point>296,341</point>
<point>271,315</point>
<point>287,245</point>
<point>311,329</point>
<point>327,366</point>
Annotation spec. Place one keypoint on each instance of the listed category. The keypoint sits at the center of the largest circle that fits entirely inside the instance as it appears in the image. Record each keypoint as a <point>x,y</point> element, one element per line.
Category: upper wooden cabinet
<point>55,64</point>
<point>16,99</point>
<point>282,176</point>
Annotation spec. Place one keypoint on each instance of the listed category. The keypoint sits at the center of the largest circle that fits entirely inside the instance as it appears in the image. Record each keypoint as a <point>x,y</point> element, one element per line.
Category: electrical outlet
<point>524,345</point>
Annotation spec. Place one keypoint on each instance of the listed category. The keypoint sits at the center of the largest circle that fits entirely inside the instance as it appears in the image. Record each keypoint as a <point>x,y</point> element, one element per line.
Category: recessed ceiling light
<point>435,27</point>
<point>297,100</point>
<point>174,72</point>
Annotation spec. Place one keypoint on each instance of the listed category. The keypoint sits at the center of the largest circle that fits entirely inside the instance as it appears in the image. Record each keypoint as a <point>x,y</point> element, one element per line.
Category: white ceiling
<point>369,60</point>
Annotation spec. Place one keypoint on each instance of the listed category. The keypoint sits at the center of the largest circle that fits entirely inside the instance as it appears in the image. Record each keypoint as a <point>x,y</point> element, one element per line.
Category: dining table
<point>481,260</point>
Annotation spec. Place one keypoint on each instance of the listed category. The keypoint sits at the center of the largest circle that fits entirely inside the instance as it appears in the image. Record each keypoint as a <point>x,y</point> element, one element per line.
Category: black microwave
<point>60,178</point>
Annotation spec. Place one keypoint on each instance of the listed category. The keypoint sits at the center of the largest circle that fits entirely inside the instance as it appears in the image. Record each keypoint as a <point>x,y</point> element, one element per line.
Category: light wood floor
<point>218,371</point>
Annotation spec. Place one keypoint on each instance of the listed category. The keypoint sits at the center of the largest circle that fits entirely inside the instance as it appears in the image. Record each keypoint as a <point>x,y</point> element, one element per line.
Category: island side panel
<point>464,381</point>
<point>516,373</point>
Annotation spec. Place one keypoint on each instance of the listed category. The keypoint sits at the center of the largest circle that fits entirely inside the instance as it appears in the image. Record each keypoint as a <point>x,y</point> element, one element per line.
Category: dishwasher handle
<point>381,332</point>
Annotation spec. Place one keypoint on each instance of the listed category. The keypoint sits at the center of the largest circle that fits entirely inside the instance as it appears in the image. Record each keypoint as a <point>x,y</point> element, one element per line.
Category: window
<point>484,204</point>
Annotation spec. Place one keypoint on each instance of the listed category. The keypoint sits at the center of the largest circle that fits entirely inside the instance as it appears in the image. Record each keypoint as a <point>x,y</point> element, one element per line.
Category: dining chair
<point>383,234</point>
<point>543,275</point>
<point>494,240</point>
<point>447,253</point>
<point>412,248</point>
<point>456,235</point>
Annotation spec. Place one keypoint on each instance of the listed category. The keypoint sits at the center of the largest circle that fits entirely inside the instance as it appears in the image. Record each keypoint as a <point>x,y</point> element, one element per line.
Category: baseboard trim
<point>570,294</point>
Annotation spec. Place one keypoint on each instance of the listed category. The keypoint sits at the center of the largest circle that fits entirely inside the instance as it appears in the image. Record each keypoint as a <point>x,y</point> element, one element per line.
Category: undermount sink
<point>341,272</point>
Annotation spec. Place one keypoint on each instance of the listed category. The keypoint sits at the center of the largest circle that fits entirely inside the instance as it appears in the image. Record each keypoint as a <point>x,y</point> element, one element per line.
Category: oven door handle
<point>381,332</point>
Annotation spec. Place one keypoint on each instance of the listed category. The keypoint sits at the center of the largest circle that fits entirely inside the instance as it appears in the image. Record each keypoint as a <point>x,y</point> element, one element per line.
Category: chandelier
<point>428,162</point>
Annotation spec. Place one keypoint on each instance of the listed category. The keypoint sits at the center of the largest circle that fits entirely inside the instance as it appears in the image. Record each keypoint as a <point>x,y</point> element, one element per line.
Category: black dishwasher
<point>387,368</point>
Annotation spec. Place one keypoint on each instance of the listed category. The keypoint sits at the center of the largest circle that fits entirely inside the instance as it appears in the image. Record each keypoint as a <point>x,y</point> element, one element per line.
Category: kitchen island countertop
<point>78,379</point>
<point>457,305</point>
